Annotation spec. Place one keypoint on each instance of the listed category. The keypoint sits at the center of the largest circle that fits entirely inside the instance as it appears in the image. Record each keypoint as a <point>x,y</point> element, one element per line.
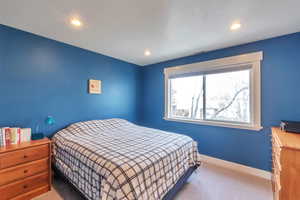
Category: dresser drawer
<point>20,187</point>
<point>22,156</point>
<point>22,171</point>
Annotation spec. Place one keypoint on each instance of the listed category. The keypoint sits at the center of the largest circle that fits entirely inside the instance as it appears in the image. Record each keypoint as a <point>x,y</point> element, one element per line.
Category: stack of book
<point>10,136</point>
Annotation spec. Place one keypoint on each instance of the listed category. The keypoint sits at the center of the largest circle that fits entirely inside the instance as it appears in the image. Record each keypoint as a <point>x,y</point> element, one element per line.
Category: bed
<point>116,160</point>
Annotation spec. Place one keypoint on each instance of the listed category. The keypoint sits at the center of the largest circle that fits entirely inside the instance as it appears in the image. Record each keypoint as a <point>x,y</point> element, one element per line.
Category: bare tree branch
<point>197,105</point>
<point>231,102</point>
<point>192,107</point>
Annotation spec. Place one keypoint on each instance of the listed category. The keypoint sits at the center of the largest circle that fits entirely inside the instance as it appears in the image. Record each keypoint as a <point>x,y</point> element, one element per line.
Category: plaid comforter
<point>116,160</point>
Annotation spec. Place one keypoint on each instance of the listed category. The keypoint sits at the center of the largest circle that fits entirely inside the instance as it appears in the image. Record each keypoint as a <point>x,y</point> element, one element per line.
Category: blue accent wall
<point>41,77</point>
<point>280,100</point>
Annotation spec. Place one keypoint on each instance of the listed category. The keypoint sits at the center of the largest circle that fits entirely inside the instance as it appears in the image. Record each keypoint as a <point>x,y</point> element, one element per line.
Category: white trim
<point>215,64</point>
<point>252,59</point>
<point>237,167</point>
<point>213,123</point>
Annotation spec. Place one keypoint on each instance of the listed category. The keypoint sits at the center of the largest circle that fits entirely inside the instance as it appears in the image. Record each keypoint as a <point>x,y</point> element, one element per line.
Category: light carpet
<point>209,182</point>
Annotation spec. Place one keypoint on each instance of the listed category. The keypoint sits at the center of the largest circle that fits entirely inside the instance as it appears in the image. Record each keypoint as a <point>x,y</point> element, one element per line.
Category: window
<point>222,92</point>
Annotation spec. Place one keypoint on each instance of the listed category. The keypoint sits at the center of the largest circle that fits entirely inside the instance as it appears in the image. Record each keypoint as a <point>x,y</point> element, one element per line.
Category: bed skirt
<point>169,196</point>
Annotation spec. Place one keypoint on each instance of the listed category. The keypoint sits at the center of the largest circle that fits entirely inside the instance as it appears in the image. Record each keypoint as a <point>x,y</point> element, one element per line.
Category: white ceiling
<point>168,28</point>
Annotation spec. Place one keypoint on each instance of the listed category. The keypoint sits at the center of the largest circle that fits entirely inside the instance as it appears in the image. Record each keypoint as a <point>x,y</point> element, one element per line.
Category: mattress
<point>115,159</point>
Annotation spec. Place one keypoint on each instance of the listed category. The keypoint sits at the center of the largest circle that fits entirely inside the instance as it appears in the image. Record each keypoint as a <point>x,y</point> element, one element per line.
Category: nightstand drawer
<point>30,195</point>
<point>20,187</point>
<point>23,171</point>
<point>22,156</point>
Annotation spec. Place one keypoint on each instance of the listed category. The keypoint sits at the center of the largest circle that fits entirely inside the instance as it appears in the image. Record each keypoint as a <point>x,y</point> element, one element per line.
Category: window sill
<point>212,123</point>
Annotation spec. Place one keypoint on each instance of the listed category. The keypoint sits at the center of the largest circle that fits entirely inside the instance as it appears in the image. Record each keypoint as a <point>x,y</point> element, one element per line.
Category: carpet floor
<point>209,182</point>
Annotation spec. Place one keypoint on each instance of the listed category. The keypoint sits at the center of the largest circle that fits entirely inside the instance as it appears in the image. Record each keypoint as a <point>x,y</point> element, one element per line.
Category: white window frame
<point>251,59</point>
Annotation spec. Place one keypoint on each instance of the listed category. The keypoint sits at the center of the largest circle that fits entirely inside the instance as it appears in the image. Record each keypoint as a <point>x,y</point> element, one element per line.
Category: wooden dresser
<point>25,170</point>
<point>286,165</point>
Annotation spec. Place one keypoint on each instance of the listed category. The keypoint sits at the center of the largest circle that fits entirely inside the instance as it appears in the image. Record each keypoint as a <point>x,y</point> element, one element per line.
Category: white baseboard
<point>237,167</point>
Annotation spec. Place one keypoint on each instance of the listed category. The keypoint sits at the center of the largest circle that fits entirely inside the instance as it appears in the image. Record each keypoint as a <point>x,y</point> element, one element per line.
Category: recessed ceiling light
<point>76,22</point>
<point>147,53</point>
<point>235,26</point>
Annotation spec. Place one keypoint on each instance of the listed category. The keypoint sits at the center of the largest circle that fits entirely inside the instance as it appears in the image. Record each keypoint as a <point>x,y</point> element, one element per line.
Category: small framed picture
<point>94,86</point>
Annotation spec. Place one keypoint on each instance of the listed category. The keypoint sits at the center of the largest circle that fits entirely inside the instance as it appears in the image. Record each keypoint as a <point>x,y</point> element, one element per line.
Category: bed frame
<point>169,196</point>
<point>180,183</point>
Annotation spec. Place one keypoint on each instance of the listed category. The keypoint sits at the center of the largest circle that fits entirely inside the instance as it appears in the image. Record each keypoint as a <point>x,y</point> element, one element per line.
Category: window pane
<point>186,97</point>
<point>227,96</point>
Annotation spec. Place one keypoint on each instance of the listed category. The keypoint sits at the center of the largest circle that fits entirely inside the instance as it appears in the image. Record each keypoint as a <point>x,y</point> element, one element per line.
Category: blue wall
<point>280,100</point>
<point>41,77</point>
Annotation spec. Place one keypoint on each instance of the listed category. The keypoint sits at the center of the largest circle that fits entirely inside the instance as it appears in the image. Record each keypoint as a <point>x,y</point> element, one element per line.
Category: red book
<point>19,135</point>
<point>7,136</point>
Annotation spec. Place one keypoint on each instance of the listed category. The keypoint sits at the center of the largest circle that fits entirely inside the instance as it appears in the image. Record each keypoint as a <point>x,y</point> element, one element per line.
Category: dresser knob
<point>25,171</point>
<point>25,156</point>
<point>25,186</point>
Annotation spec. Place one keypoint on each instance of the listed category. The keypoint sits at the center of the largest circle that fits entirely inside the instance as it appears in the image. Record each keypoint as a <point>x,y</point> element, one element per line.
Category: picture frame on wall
<point>95,86</point>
